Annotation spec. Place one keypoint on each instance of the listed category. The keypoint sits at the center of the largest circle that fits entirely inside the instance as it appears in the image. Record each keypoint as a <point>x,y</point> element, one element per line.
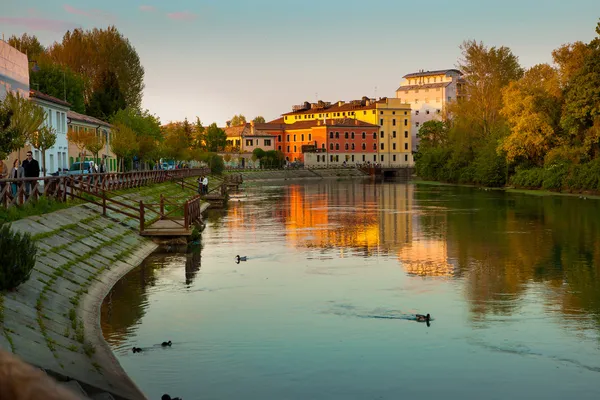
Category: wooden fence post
<point>186,214</point>
<point>103,202</point>
<point>142,216</point>
<point>162,205</point>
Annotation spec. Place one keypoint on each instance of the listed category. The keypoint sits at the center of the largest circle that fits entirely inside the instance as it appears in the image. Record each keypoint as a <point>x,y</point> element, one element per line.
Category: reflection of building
<point>426,257</point>
<point>80,122</point>
<point>428,93</point>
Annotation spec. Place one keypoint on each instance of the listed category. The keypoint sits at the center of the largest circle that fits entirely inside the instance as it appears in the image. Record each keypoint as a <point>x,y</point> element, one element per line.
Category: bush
<point>17,257</point>
<point>554,176</point>
<point>528,178</point>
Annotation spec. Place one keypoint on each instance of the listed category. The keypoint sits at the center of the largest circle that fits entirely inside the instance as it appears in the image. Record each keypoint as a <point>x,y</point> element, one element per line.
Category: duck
<point>167,397</point>
<point>423,318</point>
<point>165,344</point>
<point>238,258</point>
<point>136,350</point>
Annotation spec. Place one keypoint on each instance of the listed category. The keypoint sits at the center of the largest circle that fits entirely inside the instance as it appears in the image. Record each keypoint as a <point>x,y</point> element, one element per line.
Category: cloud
<point>40,24</point>
<point>146,8</point>
<point>94,13</point>
<point>182,16</point>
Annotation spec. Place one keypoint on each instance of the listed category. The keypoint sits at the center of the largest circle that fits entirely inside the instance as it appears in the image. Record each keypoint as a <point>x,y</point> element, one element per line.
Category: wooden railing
<point>21,191</point>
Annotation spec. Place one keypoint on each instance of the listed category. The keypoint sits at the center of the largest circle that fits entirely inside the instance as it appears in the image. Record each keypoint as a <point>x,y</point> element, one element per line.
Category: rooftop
<point>46,97</point>
<point>321,107</point>
<point>73,116</point>
<point>431,73</point>
<point>425,86</point>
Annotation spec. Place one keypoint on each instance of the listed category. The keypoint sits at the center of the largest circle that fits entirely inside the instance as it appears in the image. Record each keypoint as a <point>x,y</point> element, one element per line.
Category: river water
<point>323,308</point>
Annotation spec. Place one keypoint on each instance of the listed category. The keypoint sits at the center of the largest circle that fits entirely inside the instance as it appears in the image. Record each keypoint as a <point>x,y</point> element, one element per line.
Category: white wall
<point>56,156</point>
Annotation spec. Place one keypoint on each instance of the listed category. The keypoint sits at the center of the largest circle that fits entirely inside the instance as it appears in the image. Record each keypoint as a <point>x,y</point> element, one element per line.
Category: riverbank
<point>52,320</point>
<point>296,174</point>
<point>533,192</point>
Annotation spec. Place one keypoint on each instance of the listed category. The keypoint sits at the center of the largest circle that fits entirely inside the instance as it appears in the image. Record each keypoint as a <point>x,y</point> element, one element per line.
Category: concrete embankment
<point>287,174</point>
<point>52,321</point>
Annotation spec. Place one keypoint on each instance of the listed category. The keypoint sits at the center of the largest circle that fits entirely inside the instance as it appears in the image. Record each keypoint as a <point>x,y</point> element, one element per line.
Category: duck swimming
<point>136,350</point>
<point>238,259</point>
<point>167,397</point>
<point>165,344</point>
<point>423,318</point>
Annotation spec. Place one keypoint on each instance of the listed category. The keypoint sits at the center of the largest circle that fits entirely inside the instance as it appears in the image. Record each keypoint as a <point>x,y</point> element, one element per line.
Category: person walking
<point>17,172</point>
<point>32,170</point>
<point>205,184</point>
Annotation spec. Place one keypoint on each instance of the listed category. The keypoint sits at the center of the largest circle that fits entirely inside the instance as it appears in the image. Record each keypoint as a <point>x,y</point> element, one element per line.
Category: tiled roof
<point>235,131</point>
<point>330,122</point>
<point>276,121</point>
<point>425,86</point>
<point>45,97</point>
<point>334,107</point>
<point>73,116</point>
<point>430,73</point>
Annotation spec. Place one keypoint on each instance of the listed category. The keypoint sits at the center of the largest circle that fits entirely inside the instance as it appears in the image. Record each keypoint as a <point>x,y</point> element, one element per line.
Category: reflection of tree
<point>500,243</point>
<point>192,265</point>
<point>126,304</point>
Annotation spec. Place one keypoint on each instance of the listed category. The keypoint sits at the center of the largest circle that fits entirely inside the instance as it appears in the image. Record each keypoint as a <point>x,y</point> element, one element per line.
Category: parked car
<point>76,168</point>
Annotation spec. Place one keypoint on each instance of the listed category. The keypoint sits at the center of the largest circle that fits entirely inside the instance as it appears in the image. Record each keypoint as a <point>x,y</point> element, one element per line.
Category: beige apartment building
<point>429,93</point>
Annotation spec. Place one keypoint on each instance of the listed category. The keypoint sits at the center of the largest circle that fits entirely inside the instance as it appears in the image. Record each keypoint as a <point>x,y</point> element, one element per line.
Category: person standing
<point>32,170</point>
<point>205,184</point>
<point>201,185</point>
<point>17,172</point>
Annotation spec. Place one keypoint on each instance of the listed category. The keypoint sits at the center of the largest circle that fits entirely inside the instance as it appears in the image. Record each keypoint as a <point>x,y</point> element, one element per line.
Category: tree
<point>107,100</point>
<point>81,139</point>
<point>199,140</point>
<point>532,108</point>
<point>570,58</point>
<point>96,144</point>
<point>238,120</point>
<point>146,127</point>
<point>187,133</point>
<point>124,143</point>
<point>9,136</point>
<point>216,139</point>
<point>258,154</point>
<point>259,120</point>
<point>25,119</point>
<point>433,133</point>
<point>42,140</point>
<point>27,44</point>
<point>60,82</point>
<point>92,52</point>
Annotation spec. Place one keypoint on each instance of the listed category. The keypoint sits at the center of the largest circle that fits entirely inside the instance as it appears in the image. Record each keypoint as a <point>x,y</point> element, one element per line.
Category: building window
<point>364,146</point>
<point>309,137</point>
<point>330,135</point>
<point>417,124</point>
<point>405,112</point>
<point>352,135</point>
<point>417,112</point>
<point>393,146</point>
<point>346,135</point>
<point>405,134</point>
<point>381,121</point>
<point>267,142</point>
<point>394,134</point>
<point>394,158</point>
<point>294,138</point>
<point>352,146</point>
<point>363,157</point>
<point>427,112</point>
<point>286,117</point>
<point>364,113</point>
<point>406,122</point>
<point>439,111</point>
<point>406,157</point>
<point>352,157</point>
<point>364,135</point>
<point>323,146</point>
<point>331,158</point>
<point>295,149</point>
<point>346,146</point>
<point>279,138</point>
<point>288,138</point>
<point>288,149</point>
<point>318,158</point>
<point>373,111</point>
<point>382,157</point>
<point>381,112</point>
<point>375,135</point>
<point>302,137</point>
<point>405,146</point>
<point>382,146</point>
<point>434,79</point>
<point>279,148</point>
<point>337,158</point>
<point>393,112</point>
<point>337,135</point>
<point>330,146</point>
<point>337,146</point>
<point>374,146</point>
<point>248,142</point>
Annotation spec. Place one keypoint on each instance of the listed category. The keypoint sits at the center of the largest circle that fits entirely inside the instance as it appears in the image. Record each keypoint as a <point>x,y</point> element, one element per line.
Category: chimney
<point>340,103</point>
<point>228,123</point>
<point>356,122</point>
<point>252,128</point>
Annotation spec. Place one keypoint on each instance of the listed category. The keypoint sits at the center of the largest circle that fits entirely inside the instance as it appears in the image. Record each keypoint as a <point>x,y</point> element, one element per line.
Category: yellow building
<point>394,146</point>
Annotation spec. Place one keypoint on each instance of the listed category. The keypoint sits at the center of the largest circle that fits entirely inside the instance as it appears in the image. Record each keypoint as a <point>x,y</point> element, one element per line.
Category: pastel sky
<point>217,58</point>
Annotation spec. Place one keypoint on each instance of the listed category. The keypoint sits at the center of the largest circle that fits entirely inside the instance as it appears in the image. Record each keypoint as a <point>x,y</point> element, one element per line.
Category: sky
<point>216,58</point>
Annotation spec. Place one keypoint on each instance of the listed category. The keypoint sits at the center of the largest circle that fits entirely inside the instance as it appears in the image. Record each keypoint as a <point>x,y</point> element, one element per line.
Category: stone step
<point>75,387</point>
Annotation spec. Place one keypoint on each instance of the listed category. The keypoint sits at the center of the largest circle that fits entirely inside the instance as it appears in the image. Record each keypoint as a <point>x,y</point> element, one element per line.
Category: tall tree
<point>216,139</point>
<point>25,119</point>
<point>92,52</point>
<point>238,120</point>
<point>81,139</point>
<point>43,139</point>
<point>28,44</point>
<point>96,144</point>
<point>60,82</point>
<point>186,128</point>
<point>570,58</point>
<point>124,143</point>
<point>107,100</point>
<point>199,141</point>
<point>433,133</point>
<point>259,120</point>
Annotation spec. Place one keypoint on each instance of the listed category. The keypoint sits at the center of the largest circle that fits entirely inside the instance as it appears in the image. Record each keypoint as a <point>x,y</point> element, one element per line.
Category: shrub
<point>532,178</point>
<point>17,257</point>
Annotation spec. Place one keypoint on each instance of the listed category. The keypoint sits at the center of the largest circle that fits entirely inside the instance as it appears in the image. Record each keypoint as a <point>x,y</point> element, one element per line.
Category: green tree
<point>107,100</point>
<point>91,52</point>
<point>27,44</point>
<point>199,132</point>
<point>238,120</point>
<point>141,122</point>
<point>433,133</point>
<point>124,143</point>
<point>9,136</point>
<point>216,139</point>
<point>259,120</point>
<point>60,82</point>
<point>42,140</point>
<point>25,119</point>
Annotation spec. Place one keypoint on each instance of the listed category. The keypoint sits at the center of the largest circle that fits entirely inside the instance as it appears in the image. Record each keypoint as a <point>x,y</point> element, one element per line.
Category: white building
<point>56,118</point>
<point>428,93</point>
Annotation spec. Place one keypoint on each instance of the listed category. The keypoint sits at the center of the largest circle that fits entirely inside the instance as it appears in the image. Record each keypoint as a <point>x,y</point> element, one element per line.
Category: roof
<point>46,97</point>
<point>276,121</point>
<point>335,107</point>
<point>330,122</point>
<point>235,131</point>
<point>73,116</point>
<point>425,86</point>
<point>429,73</point>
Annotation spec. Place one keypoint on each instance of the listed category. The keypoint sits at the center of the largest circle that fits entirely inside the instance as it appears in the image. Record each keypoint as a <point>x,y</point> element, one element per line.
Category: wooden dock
<point>167,227</point>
